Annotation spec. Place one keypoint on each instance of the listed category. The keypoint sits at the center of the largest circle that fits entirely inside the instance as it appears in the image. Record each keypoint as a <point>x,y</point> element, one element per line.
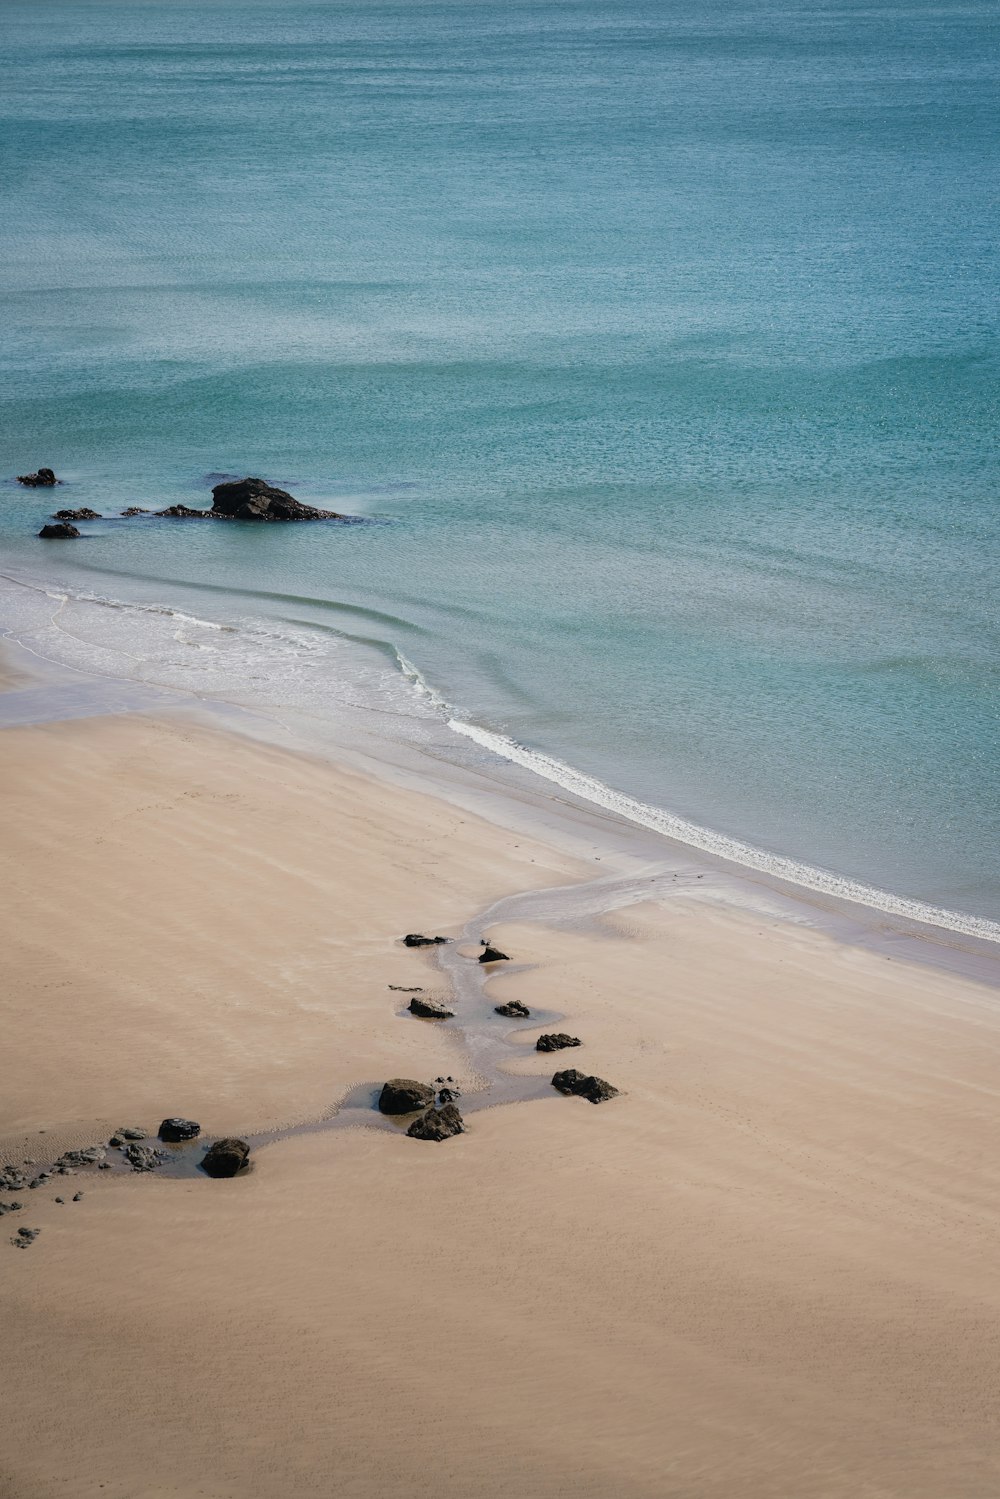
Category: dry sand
<point>768,1269</point>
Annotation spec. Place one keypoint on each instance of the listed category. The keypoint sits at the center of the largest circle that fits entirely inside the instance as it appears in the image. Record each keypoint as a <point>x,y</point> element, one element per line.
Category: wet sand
<point>767,1269</point>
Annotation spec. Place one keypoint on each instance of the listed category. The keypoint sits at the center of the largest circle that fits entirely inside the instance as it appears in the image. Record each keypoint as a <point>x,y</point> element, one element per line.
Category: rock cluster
<point>24,1237</point>
<point>226,1158</point>
<point>144,1157</point>
<point>43,479</point>
<point>85,514</point>
<point>254,500</point>
<point>556,1041</point>
<point>583,1086</point>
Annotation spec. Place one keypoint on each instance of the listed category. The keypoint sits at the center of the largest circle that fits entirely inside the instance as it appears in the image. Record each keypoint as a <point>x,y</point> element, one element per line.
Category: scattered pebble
<point>77,1196</point>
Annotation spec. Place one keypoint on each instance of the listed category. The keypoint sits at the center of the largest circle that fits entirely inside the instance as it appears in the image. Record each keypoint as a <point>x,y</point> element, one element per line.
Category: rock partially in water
<point>430,1009</point>
<point>406,988</point>
<point>85,514</point>
<point>556,1041</point>
<point>186,512</point>
<point>135,510</point>
<point>43,479</point>
<point>402,1095</point>
<point>254,499</point>
<point>127,1132</point>
<point>144,1157</point>
<point>226,1158</point>
<point>174,1130</point>
<point>414,939</point>
<point>56,530</point>
<point>493,955</point>
<point>437,1124</point>
<point>90,1155</point>
<point>582,1085</point>
<point>514,1009</point>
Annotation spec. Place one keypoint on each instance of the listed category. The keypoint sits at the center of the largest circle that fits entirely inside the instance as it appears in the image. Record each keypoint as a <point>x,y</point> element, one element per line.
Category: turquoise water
<point>661,337</point>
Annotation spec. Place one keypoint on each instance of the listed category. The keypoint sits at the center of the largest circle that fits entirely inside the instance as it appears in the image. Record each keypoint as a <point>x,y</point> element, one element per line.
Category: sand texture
<point>767,1271</point>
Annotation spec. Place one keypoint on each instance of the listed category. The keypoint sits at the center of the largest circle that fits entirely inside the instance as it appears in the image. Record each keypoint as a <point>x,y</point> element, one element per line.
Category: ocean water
<point>657,342</point>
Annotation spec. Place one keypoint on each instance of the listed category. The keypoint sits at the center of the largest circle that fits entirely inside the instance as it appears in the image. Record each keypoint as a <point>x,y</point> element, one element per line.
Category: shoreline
<point>513,794</point>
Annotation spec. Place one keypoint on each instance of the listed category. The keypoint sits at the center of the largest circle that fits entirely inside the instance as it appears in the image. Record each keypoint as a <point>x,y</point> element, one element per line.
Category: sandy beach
<point>767,1269</point>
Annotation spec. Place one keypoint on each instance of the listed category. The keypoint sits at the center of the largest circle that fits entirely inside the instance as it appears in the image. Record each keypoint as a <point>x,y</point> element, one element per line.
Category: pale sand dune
<point>767,1271</point>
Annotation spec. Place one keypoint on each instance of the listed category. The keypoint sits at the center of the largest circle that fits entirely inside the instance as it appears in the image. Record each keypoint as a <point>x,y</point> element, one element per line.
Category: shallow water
<point>663,338</point>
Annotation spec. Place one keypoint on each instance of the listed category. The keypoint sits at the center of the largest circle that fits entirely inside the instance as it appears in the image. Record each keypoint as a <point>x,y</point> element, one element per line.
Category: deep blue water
<point>663,336</point>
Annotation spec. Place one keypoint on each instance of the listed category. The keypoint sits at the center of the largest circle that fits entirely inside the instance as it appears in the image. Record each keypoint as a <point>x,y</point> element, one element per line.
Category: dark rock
<point>85,514</point>
<point>9,1207</point>
<point>437,1124</point>
<point>401,1095</point>
<point>448,1095</point>
<point>253,499</point>
<point>88,1156</point>
<point>12,1179</point>
<point>126,1133</point>
<point>404,989</point>
<point>58,529</point>
<point>414,939</point>
<point>24,1237</point>
<point>514,1009</point>
<point>226,1158</point>
<point>44,479</point>
<point>104,1166</point>
<point>430,1009</point>
<point>556,1041</point>
<point>61,1199</point>
<point>77,1196</point>
<point>179,1129</point>
<point>186,512</point>
<point>583,1086</point>
<point>493,955</point>
<point>144,1157</point>
<point>135,510</point>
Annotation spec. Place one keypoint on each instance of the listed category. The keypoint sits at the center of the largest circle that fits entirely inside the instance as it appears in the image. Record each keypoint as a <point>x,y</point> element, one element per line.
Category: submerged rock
<point>43,479</point>
<point>492,955</point>
<point>583,1085</point>
<point>437,1124</point>
<point>401,1095</point>
<point>85,514</point>
<point>414,939</point>
<point>556,1041</point>
<point>173,1130</point>
<point>144,1157</point>
<point>430,1009</point>
<point>226,1158</point>
<point>514,1009</point>
<point>56,530</point>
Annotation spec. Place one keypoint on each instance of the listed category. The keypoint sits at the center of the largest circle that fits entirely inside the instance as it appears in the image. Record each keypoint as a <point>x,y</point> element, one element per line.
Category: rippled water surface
<point>661,337</point>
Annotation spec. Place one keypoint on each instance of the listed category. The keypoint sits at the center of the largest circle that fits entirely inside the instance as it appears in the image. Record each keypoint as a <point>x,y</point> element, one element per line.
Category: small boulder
<point>430,1009</point>
<point>493,955</point>
<point>85,514</point>
<point>401,1095</point>
<point>43,479</point>
<point>135,510</point>
<point>437,1124</point>
<point>58,529</point>
<point>514,1009</point>
<point>173,1130</point>
<point>581,1085</point>
<point>127,1132</point>
<point>556,1041</point>
<point>414,939</point>
<point>226,1158</point>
